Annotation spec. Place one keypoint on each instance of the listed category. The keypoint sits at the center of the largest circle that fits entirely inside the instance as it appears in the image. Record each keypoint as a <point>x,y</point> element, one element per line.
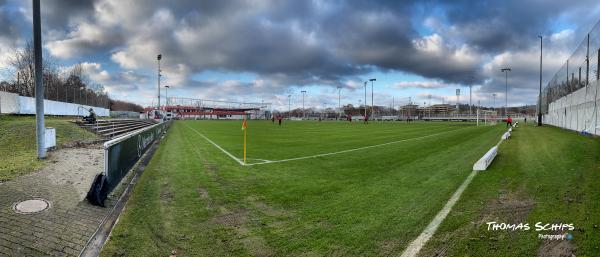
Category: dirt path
<point>74,166</point>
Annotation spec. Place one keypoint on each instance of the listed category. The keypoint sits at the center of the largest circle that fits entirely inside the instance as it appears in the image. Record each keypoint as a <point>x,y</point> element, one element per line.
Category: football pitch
<point>338,189</point>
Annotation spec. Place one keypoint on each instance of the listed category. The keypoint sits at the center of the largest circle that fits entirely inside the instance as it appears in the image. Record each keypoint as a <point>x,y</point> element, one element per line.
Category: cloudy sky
<point>265,50</point>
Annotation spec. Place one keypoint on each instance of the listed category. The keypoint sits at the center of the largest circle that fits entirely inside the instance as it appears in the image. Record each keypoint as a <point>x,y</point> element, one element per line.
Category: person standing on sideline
<point>508,121</point>
<point>366,119</point>
<point>273,119</point>
<point>526,120</point>
<point>279,120</point>
<point>349,118</point>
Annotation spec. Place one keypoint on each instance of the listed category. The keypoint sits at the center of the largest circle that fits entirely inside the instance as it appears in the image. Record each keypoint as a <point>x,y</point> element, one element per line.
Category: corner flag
<point>245,129</point>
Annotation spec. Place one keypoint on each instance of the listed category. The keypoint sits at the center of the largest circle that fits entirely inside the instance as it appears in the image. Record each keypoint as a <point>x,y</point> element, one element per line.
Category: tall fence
<point>570,100</point>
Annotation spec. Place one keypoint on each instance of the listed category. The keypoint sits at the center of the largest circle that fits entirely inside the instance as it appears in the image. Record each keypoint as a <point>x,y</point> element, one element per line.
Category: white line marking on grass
<point>352,150</point>
<point>416,245</point>
<point>220,148</point>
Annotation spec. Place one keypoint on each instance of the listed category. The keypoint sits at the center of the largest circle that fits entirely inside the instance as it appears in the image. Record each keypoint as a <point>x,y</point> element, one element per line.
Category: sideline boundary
<point>415,246</point>
<point>217,146</point>
<point>319,155</point>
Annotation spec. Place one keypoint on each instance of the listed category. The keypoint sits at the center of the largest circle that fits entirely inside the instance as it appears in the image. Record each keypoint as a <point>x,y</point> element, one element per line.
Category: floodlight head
<point>303,91</point>
<point>373,79</point>
<point>506,69</point>
<point>159,57</point>
<point>168,86</point>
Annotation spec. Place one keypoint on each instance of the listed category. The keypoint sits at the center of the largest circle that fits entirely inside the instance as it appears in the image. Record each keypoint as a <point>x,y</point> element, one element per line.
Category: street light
<point>158,78</point>
<point>540,96</point>
<point>167,95</point>
<point>365,99</point>
<point>494,104</point>
<point>303,111</point>
<point>339,100</point>
<point>373,79</point>
<point>289,106</point>
<point>470,96</point>
<point>506,70</point>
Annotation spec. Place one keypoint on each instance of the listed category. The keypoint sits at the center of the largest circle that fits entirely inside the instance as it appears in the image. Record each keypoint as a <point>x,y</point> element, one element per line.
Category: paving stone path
<point>65,227</point>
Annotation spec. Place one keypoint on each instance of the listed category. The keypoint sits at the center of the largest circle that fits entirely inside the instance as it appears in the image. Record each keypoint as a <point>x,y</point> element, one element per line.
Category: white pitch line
<point>352,150</point>
<point>217,146</point>
<point>416,245</point>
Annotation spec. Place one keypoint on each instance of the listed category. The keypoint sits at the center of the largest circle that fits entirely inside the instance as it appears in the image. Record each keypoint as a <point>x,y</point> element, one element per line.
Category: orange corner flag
<point>245,129</point>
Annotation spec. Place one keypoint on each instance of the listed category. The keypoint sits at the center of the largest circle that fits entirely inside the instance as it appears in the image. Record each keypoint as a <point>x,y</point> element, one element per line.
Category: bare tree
<point>22,60</point>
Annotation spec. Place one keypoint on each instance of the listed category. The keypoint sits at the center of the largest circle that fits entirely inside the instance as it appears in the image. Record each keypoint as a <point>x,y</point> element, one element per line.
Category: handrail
<point>114,141</point>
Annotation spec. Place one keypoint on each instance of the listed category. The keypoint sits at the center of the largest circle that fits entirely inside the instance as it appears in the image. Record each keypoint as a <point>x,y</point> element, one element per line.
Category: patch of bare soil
<point>557,248</point>
<point>232,218</point>
<point>204,196</point>
<point>509,207</point>
<point>239,221</point>
<point>388,247</point>
<point>74,166</point>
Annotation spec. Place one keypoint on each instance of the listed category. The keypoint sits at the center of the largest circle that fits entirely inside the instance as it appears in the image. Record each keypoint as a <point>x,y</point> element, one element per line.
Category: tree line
<point>64,85</point>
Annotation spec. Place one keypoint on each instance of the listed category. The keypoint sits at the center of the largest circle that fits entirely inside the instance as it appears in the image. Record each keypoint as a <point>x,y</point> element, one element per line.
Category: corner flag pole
<point>245,129</point>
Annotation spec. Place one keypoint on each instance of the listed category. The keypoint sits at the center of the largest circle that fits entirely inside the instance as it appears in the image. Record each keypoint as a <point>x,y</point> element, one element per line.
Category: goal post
<point>487,117</point>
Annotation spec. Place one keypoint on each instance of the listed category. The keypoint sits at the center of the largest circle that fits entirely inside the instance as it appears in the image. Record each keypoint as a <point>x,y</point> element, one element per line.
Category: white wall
<point>14,104</point>
<point>577,111</point>
<point>9,102</point>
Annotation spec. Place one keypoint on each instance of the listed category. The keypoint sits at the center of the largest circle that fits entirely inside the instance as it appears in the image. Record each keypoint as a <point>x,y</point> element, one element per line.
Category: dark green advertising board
<point>120,155</point>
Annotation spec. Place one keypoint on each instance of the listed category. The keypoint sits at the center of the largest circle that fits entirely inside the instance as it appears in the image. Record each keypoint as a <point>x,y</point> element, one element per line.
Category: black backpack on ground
<point>98,191</point>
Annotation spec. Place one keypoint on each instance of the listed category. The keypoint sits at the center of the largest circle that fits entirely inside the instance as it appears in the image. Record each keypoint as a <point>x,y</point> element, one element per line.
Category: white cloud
<point>421,84</point>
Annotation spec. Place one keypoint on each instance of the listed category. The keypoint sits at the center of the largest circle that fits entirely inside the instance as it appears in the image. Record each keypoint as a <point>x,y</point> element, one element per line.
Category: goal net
<point>487,117</point>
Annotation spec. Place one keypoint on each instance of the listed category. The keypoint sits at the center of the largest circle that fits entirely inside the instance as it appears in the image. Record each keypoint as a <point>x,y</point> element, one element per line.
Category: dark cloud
<point>297,43</point>
<point>9,28</point>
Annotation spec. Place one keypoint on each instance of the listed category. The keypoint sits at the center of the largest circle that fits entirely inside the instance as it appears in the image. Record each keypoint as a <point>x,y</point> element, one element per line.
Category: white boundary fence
<point>577,111</point>
<point>11,103</point>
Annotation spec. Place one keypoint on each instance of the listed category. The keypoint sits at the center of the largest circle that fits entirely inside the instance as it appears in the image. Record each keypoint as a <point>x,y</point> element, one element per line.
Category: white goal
<point>487,117</point>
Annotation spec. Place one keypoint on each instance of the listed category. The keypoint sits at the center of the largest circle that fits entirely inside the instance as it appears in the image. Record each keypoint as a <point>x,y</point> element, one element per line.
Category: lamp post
<point>289,106</point>
<point>506,70</point>
<point>540,93</point>
<point>40,128</point>
<point>470,97</point>
<point>339,100</point>
<point>158,79</point>
<point>457,101</point>
<point>365,99</point>
<point>303,111</point>
<point>373,79</point>
<point>494,104</point>
<point>167,96</point>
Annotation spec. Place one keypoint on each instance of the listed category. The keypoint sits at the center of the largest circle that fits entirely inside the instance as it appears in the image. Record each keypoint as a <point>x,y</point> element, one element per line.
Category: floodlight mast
<point>539,123</point>
<point>339,100</point>
<point>303,110</point>
<point>40,128</point>
<point>158,79</point>
<point>506,70</point>
<point>289,106</point>
<point>365,99</point>
<point>167,96</point>
<point>373,79</point>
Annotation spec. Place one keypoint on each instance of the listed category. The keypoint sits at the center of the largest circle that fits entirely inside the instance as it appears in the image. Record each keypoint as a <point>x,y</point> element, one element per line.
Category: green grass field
<point>18,153</point>
<point>374,201</point>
